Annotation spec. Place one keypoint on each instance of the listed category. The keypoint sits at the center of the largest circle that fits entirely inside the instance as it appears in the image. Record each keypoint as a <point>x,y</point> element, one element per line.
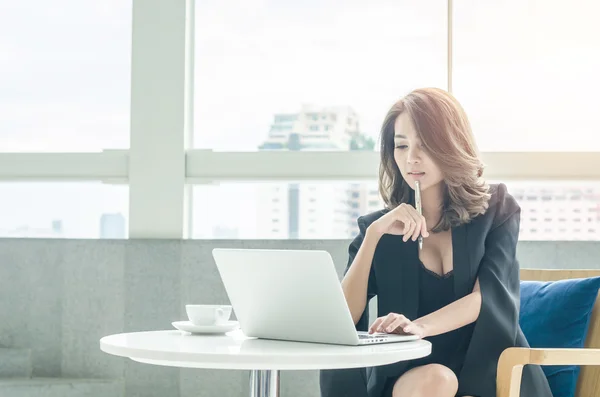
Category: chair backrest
<point>588,383</point>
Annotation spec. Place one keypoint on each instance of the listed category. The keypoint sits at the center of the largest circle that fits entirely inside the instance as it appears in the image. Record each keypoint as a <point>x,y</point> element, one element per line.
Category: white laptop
<point>291,295</point>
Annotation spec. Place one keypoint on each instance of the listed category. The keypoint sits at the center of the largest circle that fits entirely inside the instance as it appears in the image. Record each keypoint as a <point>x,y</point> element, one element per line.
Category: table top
<point>236,351</point>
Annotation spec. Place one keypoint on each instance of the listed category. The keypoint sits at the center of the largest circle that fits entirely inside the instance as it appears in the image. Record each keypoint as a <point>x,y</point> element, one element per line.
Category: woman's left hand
<point>395,323</point>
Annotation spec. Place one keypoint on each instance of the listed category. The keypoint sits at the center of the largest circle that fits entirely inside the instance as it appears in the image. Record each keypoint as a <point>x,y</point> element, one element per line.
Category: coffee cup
<point>208,314</point>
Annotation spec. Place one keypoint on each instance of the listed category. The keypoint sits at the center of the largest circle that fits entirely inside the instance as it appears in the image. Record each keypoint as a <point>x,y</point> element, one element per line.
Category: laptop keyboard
<point>369,336</point>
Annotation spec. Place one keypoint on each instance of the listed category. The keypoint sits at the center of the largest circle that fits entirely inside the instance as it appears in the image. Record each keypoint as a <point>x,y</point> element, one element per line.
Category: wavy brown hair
<point>444,129</point>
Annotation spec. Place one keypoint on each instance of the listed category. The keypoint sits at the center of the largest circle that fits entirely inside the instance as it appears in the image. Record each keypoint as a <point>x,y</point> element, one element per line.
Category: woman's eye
<point>402,147</point>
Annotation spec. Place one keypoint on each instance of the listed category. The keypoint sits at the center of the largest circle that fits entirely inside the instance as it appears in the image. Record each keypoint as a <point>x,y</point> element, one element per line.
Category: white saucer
<point>187,326</point>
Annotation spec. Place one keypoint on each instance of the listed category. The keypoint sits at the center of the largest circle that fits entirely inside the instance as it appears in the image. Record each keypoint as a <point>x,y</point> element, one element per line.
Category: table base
<point>264,383</point>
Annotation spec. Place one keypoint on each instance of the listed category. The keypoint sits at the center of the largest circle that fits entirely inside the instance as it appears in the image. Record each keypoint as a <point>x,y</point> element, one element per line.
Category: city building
<point>314,210</point>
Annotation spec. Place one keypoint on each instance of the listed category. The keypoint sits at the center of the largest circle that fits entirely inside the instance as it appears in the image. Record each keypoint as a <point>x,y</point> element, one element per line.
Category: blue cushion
<point>557,314</point>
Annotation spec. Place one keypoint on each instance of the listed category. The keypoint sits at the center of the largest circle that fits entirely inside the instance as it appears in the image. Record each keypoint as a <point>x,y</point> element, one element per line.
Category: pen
<point>419,208</point>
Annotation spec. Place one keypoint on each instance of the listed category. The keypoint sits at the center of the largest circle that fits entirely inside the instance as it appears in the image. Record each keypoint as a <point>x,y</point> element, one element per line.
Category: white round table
<point>264,358</point>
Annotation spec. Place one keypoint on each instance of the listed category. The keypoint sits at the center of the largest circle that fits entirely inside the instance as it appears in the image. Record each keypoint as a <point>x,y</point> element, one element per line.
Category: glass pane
<point>526,72</point>
<point>550,210</point>
<point>558,210</point>
<point>282,210</point>
<point>310,75</point>
<point>63,210</point>
<point>65,77</point>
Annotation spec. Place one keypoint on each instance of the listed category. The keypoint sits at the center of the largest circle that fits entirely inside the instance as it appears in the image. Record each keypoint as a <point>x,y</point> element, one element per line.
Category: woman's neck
<point>432,200</point>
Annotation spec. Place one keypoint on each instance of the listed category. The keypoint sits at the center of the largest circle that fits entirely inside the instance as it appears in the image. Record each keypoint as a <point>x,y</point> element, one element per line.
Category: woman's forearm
<point>453,316</point>
<point>356,280</point>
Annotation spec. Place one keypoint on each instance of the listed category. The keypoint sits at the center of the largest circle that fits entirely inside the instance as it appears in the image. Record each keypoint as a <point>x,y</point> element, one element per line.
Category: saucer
<point>188,326</point>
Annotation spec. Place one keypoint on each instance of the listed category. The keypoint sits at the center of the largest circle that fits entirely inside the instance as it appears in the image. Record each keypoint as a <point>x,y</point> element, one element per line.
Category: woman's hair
<point>445,131</point>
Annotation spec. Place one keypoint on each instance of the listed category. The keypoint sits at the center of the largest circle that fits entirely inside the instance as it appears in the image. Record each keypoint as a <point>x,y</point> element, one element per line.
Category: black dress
<point>449,349</point>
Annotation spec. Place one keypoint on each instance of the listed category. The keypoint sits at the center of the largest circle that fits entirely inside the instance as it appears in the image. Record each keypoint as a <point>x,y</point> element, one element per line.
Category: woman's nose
<point>414,156</point>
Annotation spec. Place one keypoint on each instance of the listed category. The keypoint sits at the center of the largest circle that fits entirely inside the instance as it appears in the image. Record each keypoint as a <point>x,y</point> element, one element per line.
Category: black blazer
<point>485,248</point>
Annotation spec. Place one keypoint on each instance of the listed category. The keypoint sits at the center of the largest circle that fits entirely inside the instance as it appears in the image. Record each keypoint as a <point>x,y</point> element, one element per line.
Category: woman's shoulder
<point>501,206</point>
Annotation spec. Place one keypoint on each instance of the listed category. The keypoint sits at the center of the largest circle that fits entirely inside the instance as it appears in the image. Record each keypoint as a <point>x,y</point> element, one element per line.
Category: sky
<point>525,71</point>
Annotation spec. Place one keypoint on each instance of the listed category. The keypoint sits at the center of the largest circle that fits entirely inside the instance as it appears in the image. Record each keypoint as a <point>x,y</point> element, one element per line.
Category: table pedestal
<point>264,383</point>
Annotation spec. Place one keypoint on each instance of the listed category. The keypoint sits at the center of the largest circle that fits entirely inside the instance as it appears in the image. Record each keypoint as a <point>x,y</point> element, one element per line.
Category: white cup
<point>208,314</point>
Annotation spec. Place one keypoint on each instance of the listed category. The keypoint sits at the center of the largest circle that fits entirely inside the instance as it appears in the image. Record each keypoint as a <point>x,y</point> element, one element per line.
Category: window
<point>65,75</point>
<point>535,189</point>
<point>332,206</point>
<point>273,53</point>
<point>63,210</point>
<point>66,87</point>
<point>502,75</point>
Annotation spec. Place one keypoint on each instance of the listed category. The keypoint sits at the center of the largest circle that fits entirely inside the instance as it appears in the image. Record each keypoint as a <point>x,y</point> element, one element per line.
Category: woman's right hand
<point>402,220</point>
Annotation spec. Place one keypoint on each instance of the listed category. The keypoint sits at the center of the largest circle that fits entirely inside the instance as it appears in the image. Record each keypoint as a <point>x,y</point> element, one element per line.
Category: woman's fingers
<point>391,323</point>
<point>410,224</point>
<point>408,229</point>
<point>414,224</point>
<point>399,323</point>
<point>375,325</point>
<point>417,220</point>
<point>419,225</point>
<point>386,321</point>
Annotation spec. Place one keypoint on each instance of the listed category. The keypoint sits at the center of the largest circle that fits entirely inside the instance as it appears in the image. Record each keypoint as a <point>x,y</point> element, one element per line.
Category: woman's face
<point>412,159</point>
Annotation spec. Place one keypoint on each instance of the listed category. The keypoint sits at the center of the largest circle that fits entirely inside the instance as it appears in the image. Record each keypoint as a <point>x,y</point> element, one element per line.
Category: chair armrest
<point>512,360</point>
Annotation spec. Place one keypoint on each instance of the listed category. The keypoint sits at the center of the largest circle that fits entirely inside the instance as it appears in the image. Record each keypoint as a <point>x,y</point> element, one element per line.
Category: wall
<point>59,297</point>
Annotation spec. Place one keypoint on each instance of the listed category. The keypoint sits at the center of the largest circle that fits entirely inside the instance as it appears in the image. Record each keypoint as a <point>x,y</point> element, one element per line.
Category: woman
<point>460,291</point>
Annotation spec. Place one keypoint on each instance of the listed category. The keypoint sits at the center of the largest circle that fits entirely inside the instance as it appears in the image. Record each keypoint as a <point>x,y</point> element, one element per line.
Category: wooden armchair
<point>512,360</point>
